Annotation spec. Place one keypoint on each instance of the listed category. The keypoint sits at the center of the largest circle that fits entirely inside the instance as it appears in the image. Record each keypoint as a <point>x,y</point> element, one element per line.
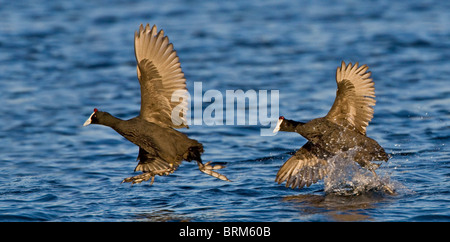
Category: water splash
<point>346,177</point>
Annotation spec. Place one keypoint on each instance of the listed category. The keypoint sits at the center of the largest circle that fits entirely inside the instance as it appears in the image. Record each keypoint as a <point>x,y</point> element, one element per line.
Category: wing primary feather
<point>160,76</point>
<point>353,105</point>
<point>305,167</point>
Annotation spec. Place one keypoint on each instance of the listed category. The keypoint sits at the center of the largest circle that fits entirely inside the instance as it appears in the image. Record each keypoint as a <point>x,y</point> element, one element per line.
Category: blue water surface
<point>61,59</point>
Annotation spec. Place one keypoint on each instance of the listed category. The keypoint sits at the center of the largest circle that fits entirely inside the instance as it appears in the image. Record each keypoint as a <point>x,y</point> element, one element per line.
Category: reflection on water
<point>336,207</point>
<point>163,215</point>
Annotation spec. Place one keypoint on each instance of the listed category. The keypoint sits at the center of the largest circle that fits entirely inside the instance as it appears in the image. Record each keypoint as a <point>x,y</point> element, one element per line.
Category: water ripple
<point>59,60</point>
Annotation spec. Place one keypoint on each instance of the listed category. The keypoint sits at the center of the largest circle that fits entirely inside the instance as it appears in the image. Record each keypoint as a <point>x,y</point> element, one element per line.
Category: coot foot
<point>209,169</point>
<point>147,175</point>
<point>140,178</point>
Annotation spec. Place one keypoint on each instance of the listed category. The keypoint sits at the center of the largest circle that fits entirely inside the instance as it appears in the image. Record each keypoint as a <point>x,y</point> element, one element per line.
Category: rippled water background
<point>60,59</point>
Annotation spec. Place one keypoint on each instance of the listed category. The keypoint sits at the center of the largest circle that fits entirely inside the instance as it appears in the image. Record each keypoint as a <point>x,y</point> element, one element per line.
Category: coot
<point>163,108</point>
<point>342,129</point>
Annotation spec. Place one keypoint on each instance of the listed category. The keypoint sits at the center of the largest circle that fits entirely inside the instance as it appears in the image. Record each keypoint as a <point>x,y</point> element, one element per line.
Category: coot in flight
<point>163,108</point>
<point>342,129</point>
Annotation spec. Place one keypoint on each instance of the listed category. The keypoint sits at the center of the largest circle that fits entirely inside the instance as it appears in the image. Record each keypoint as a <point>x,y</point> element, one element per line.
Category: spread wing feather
<point>149,162</point>
<point>163,86</point>
<point>355,97</point>
<point>307,166</point>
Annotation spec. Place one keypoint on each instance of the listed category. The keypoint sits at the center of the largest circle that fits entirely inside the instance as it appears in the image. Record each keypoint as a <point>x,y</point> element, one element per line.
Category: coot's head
<point>94,118</point>
<point>280,121</point>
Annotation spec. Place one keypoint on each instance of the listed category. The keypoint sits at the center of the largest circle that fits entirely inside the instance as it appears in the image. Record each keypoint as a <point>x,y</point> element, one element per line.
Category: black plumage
<point>163,108</point>
<point>341,130</point>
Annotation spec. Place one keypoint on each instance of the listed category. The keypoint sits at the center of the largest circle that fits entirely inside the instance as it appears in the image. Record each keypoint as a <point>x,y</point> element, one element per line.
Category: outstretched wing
<point>355,97</point>
<point>150,162</point>
<point>307,166</point>
<point>163,86</point>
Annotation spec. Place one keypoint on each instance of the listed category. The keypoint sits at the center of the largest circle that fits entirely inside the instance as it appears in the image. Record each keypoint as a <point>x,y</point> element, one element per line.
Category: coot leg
<point>147,175</point>
<point>209,169</point>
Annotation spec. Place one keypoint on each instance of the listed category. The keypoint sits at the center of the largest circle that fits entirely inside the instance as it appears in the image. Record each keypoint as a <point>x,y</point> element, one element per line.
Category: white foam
<point>346,177</point>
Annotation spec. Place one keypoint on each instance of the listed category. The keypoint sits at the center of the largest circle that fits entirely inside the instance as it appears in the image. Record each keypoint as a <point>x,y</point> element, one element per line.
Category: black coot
<point>163,108</point>
<point>343,128</point>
